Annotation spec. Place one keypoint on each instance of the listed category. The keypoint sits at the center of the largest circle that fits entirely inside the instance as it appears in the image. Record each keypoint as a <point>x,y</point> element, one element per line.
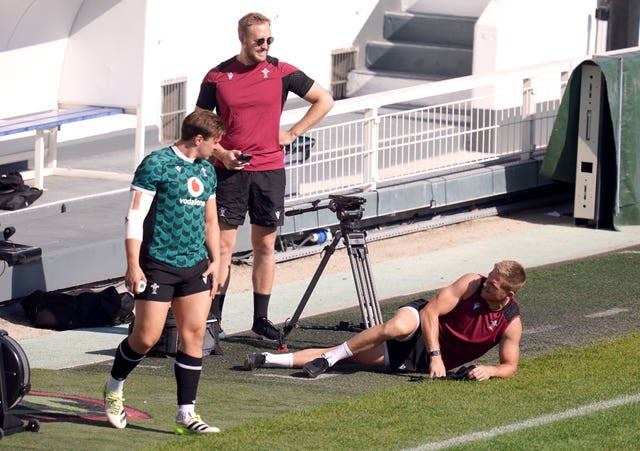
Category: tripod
<point>349,211</point>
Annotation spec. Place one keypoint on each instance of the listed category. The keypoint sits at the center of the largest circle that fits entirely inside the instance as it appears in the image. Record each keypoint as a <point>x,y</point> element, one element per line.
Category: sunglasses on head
<point>260,42</point>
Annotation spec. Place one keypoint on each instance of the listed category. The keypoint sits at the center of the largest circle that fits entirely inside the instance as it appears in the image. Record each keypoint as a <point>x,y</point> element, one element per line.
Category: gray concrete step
<point>428,41</point>
<point>447,61</point>
<point>429,29</point>
<point>469,8</point>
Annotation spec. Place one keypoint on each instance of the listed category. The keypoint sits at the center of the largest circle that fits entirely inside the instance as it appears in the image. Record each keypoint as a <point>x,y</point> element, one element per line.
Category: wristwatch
<point>434,353</point>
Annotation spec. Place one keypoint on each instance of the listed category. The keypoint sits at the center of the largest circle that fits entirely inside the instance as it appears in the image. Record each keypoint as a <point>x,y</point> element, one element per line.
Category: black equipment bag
<point>14,194</point>
<point>167,345</point>
<point>61,311</point>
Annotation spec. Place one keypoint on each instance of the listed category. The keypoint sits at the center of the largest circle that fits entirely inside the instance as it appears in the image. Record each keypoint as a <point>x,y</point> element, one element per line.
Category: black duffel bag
<point>61,311</point>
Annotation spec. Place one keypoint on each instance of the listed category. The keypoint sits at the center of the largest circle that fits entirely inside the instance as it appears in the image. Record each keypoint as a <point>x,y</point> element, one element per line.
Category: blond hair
<point>251,19</point>
<point>513,274</point>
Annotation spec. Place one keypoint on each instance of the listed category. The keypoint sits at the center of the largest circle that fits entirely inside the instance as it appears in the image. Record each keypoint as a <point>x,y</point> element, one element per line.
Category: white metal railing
<point>375,139</point>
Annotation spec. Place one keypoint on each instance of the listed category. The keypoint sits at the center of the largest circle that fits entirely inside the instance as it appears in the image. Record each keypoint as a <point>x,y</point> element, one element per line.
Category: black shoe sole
<point>249,364</point>
<point>263,337</point>
<point>312,374</point>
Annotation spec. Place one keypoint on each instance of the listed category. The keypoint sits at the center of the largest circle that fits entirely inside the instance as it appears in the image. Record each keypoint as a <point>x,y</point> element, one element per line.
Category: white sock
<point>115,385</point>
<point>338,353</point>
<point>278,360</point>
<point>186,411</point>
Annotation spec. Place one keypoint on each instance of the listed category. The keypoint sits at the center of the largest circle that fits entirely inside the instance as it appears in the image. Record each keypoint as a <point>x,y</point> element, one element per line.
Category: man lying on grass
<point>460,324</point>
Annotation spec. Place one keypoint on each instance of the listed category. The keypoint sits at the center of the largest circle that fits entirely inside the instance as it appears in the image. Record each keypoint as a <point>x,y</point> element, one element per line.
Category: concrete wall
<point>33,40</point>
<point>118,52</point>
<point>513,33</point>
<point>105,55</point>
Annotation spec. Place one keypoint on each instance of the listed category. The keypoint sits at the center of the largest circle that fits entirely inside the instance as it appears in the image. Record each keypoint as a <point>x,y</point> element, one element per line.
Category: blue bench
<point>50,121</point>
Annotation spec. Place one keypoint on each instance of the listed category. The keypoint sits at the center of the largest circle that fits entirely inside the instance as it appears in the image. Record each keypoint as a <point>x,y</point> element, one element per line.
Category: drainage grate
<point>342,62</point>
<point>173,109</point>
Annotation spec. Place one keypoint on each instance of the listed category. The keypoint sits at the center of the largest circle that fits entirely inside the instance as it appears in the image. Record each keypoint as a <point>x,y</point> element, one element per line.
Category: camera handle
<point>356,244</point>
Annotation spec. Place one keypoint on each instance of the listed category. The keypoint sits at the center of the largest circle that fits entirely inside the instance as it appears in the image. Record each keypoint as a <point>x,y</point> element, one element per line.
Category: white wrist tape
<point>138,210</point>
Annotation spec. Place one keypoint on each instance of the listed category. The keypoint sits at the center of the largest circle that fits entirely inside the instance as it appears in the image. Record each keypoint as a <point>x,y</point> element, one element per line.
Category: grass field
<point>578,386</point>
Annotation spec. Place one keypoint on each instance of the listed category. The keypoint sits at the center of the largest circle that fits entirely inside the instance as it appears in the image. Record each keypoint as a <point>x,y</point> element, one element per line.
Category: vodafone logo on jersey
<point>195,186</point>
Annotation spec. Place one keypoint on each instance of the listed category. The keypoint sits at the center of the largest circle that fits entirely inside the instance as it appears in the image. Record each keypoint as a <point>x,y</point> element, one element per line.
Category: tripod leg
<point>373,300</point>
<point>371,309</point>
<point>354,259</point>
<point>328,252</point>
<point>358,257</point>
<point>375,306</point>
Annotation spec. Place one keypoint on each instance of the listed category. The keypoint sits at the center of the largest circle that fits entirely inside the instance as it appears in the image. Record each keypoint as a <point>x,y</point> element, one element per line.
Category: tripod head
<point>346,208</point>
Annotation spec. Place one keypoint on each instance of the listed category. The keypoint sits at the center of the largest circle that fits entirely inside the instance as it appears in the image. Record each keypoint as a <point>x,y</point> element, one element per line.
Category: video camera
<point>345,207</point>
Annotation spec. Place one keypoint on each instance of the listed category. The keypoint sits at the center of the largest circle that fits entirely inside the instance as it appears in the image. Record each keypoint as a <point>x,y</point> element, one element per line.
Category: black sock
<point>126,360</point>
<point>216,306</point>
<point>187,370</point>
<point>260,305</point>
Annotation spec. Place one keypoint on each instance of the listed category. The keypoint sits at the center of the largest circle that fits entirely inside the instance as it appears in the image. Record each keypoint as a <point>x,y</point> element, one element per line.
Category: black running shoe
<point>254,360</point>
<point>265,329</point>
<point>316,367</point>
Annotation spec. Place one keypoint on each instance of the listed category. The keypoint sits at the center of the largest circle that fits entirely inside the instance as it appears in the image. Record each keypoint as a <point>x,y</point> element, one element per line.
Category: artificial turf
<point>573,355</point>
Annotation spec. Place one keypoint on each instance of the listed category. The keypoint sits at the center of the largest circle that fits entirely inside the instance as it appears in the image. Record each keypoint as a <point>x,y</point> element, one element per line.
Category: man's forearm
<point>132,248</point>
<point>429,325</point>
<point>313,115</point>
<point>321,103</point>
<point>218,151</point>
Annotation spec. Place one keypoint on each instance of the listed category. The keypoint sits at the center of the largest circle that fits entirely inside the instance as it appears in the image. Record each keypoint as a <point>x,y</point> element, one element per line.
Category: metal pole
<point>602,22</point>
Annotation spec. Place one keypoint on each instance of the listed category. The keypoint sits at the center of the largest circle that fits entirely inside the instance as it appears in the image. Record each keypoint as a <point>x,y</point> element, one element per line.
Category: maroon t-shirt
<point>466,333</point>
<point>249,99</point>
<point>471,329</point>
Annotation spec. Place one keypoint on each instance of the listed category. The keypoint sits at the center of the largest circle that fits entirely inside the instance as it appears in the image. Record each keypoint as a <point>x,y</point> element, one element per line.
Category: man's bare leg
<point>365,348</point>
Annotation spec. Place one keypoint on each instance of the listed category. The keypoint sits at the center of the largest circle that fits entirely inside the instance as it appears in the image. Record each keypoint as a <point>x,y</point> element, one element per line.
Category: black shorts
<point>410,354</point>
<point>165,282</point>
<point>261,193</point>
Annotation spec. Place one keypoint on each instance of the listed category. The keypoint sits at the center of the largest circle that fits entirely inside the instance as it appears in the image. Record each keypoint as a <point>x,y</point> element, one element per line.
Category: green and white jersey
<point>174,228</point>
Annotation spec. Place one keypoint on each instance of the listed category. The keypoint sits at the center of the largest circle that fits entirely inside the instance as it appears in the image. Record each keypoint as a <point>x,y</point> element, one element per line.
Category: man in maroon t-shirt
<point>248,92</point>
<point>460,324</point>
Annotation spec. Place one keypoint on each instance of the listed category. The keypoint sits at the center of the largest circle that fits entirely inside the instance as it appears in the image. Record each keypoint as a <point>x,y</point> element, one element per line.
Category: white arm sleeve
<point>138,210</point>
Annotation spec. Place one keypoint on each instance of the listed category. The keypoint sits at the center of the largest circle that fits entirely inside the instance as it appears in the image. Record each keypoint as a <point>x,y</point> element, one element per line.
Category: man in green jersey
<point>173,250</point>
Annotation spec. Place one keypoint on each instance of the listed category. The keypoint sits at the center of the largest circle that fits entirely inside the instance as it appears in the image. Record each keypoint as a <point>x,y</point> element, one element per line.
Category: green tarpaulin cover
<point>622,78</point>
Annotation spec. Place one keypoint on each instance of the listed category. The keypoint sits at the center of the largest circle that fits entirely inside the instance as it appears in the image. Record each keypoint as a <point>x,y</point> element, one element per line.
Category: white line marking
<point>610,312</point>
<point>73,199</point>
<point>539,329</point>
<point>533,422</point>
<point>295,378</point>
